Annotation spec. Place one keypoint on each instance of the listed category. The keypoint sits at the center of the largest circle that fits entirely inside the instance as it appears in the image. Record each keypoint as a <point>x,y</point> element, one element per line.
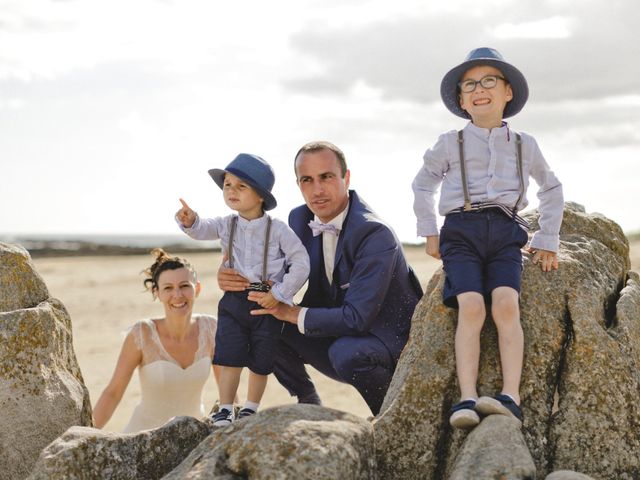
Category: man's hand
<point>186,216</point>
<point>547,260</point>
<point>230,280</point>
<point>433,246</point>
<point>281,311</point>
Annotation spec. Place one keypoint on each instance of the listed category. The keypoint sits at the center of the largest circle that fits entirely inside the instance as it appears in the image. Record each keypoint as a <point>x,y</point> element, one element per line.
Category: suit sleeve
<point>371,273</point>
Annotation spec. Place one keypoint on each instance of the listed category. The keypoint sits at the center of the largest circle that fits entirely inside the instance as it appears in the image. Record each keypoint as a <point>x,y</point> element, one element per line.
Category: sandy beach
<point>104,296</point>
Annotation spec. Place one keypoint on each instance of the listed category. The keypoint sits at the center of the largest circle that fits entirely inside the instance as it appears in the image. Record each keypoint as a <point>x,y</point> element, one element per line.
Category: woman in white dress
<point>173,354</point>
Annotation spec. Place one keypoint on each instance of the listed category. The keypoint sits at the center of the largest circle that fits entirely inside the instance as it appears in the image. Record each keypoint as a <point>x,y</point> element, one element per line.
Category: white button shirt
<point>329,245</point>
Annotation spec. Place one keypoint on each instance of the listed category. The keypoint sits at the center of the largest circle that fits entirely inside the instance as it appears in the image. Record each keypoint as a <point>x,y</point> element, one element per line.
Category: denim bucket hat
<point>253,170</point>
<point>449,90</point>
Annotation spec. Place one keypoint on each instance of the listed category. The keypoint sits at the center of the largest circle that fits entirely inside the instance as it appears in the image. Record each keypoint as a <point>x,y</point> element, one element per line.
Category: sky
<point>112,111</point>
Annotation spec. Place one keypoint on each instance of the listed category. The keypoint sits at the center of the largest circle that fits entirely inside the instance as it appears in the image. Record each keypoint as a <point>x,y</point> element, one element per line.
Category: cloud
<point>566,53</point>
<point>580,64</point>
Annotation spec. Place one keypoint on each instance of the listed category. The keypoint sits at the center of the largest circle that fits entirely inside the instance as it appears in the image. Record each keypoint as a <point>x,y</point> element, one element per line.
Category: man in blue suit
<point>355,317</point>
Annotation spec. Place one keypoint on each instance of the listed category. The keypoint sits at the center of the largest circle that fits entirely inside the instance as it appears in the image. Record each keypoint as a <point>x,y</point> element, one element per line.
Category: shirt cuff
<point>301,315</point>
<point>428,228</point>
<point>277,294</point>
<point>545,241</point>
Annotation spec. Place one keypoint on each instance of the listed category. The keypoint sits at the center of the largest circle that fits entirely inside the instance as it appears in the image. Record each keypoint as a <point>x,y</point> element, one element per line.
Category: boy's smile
<point>485,105</point>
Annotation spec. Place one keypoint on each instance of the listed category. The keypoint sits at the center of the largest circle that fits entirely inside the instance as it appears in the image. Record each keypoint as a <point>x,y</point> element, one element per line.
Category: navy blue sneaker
<point>245,412</point>
<point>222,418</point>
<point>463,415</point>
<point>499,405</point>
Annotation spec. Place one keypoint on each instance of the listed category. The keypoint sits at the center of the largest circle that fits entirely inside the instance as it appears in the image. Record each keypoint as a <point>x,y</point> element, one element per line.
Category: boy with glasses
<point>484,170</point>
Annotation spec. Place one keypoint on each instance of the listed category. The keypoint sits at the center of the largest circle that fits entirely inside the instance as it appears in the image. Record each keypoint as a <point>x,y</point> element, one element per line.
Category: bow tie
<point>317,228</point>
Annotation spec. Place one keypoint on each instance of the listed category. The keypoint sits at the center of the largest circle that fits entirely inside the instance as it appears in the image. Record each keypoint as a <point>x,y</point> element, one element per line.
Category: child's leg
<point>506,315</point>
<point>257,385</point>
<point>229,380</point>
<point>471,317</point>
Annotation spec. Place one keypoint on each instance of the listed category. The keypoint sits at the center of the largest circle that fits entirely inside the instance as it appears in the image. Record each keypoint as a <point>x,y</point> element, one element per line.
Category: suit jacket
<point>374,291</point>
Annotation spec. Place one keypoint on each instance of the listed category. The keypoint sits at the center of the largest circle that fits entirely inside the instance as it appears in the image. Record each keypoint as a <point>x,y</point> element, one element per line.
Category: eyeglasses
<point>490,81</point>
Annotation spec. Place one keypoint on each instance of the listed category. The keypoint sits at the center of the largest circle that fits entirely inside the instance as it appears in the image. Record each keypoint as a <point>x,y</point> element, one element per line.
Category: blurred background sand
<point>104,296</point>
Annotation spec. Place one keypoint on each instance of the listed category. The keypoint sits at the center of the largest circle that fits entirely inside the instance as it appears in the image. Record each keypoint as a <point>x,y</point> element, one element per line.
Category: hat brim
<point>519,87</point>
<point>269,201</point>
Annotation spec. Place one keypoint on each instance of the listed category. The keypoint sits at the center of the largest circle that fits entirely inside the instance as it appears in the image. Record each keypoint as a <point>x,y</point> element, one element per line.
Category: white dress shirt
<point>329,244</point>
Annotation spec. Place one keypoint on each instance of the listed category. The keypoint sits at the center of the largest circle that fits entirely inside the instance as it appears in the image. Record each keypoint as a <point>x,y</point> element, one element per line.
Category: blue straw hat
<point>253,170</point>
<point>449,90</point>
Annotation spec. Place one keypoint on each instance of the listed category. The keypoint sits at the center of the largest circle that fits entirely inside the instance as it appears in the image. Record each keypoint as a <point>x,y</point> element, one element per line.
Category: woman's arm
<point>130,358</point>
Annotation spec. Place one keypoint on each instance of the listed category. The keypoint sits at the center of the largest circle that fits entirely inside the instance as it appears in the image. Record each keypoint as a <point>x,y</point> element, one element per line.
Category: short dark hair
<point>317,146</point>
<point>163,262</point>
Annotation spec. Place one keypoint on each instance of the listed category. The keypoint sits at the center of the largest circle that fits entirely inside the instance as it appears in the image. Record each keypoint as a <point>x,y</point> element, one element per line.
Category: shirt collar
<point>255,223</point>
<point>338,220</point>
<point>485,132</point>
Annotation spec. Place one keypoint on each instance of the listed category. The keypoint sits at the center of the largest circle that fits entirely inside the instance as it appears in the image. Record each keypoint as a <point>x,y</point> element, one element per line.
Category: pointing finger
<point>184,204</point>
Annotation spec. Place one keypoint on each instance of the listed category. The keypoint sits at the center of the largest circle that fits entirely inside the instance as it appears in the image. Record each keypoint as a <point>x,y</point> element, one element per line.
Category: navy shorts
<point>245,340</point>
<point>480,251</point>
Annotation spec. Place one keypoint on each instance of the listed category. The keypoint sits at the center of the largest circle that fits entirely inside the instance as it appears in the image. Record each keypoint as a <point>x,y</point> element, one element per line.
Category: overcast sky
<point>111,111</point>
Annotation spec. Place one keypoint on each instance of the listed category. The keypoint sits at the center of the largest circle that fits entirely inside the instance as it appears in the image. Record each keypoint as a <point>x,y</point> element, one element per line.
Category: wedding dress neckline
<point>169,358</point>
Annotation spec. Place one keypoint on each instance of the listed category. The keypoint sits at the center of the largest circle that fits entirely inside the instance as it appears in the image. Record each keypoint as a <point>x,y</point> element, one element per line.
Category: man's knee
<point>350,357</point>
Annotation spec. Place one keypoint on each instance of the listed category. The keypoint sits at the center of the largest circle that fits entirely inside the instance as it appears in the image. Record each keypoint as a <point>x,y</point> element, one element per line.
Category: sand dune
<point>104,296</point>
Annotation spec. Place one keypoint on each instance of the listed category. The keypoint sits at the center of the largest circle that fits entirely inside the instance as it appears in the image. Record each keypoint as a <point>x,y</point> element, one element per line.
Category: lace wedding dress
<point>168,390</point>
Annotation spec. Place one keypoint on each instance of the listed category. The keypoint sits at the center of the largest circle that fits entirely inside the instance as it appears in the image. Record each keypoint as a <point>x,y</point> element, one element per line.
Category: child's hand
<point>185,215</point>
<point>267,301</point>
<point>433,246</point>
<point>547,260</point>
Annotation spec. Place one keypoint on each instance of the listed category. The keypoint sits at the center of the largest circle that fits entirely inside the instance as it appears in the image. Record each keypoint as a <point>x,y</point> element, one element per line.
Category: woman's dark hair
<point>163,262</point>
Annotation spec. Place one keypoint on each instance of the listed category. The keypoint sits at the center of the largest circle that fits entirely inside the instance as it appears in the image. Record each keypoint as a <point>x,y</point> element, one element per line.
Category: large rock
<point>20,285</point>
<point>42,392</point>
<point>567,475</point>
<point>88,453</point>
<point>495,449</point>
<point>291,442</point>
<point>581,372</point>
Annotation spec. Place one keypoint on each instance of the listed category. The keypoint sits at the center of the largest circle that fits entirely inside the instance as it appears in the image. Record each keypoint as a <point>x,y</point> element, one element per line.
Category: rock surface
<point>20,285</point>
<point>495,447</point>
<point>581,372</point>
<point>290,442</point>
<point>567,475</point>
<point>41,388</point>
<point>580,386</point>
<point>89,453</point>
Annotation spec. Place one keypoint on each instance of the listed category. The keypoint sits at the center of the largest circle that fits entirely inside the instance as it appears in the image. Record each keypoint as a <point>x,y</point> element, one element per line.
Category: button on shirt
<point>329,245</point>
<point>285,248</point>
<point>492,175</point>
